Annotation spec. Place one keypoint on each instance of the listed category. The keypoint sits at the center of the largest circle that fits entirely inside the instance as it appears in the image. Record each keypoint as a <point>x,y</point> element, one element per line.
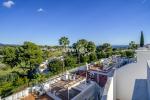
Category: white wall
<point>148,78</point>
<point>110,88</point>
<point>114,85</point>
<point>19,95</point>
<point>89,93</point>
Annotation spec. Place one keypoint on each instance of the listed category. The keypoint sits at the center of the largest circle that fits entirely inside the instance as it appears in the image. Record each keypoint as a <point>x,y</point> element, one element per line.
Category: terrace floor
<point>32,97</point>
<point>61,88</point>
<point>131,79</point>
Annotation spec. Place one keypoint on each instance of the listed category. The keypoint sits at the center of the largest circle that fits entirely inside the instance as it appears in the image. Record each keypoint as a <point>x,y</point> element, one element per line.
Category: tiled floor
<point>128,75</point>
<point>139,88</point>
<point>32,97</point>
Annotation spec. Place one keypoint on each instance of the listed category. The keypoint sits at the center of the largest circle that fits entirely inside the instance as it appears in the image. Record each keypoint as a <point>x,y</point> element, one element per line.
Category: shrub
<point>92,57</point>
<point>55,66</point>
<point>123,54</point>
<point>70,61</point>
<point>130,54</point>
<point>108,54</point>
<point>101,55</point>
<point>84,58</point>
<point>18,82</point>
<point>6,89</point>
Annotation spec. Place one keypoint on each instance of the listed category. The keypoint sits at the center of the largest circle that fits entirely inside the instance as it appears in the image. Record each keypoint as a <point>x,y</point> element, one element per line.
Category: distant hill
<point>120,46</point>
<point>1,44</point>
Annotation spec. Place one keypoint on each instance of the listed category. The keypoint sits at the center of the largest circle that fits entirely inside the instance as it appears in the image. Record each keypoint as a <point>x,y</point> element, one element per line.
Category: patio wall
<point>90,93</point>
<point>19,95</point>
<point>110,89</point>
<point>148,78</point>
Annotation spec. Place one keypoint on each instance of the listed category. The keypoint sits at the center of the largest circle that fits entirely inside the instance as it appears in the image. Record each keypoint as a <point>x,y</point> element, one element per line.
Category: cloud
<point>40,10</point>
<point>8,4</point>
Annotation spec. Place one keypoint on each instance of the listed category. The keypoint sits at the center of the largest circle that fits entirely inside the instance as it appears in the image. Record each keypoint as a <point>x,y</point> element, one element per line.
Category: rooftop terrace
<point>63,88</point>
<point>132,77</point>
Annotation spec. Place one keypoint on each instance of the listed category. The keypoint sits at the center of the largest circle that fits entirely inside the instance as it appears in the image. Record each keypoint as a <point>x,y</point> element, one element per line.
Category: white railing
<point>148,78</point>
<point>18,96</point>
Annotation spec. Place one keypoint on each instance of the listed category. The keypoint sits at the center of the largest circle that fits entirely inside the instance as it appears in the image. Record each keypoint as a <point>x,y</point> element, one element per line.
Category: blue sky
<point>45,21</point>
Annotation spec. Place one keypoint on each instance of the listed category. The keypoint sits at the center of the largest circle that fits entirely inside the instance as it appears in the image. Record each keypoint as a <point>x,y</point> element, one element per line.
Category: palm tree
<point>64,41</point>
<point>81,47</point>
<point>91,47</point>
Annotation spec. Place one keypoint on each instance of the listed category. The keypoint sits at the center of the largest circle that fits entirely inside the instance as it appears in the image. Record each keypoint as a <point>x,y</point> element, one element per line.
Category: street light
<point>68,92</point>
<point>87,68</point>
<point>62,59</point>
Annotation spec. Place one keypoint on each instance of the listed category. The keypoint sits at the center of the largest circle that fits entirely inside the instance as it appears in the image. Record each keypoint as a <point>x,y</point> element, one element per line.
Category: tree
<point>19,54</point>
<point>84,58</point>
<point>99,48</point>
<point>104,50</point>
<point>56,66</point>
<point>123,54</point>
<point>107,48</point>
<point>132,45</point>
<point>101,54</point>
<point>39,77</point>
<point>80,47</point>
<point>142,39</point>
<point>91,47</point>
<point>64,41</point>
<point>70,61</point>
<point>45,54</point>
<point>9,54</point>
<point>92,57</point>
<point>116,51</point>
<point>32,54</point>
<point>32,57</point>
<point>129,53</point>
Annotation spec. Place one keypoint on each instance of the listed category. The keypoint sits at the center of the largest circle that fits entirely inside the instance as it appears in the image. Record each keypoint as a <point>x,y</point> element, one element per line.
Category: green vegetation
<point>92,57</point>
<point>70,61</point>
<point>64,41</point>
<point>84,58</point>
<point>104,50</point>
<point>10,56</point>
<point>91,47</point>
<point>55,53</point>
<point>18,64</point>
<point>142,39</point>
<point>56,66</point>
<point>22,61</point>
<point>32,54</point>
<point>133,45</point>
<point>101,54</point>
<point>129,53</point>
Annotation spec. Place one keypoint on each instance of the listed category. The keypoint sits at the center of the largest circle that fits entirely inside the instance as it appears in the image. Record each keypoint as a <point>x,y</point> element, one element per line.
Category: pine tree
<point>142,39</point>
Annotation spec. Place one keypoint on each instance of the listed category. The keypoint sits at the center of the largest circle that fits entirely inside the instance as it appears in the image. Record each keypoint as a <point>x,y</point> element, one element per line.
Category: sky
<point>44,21</point>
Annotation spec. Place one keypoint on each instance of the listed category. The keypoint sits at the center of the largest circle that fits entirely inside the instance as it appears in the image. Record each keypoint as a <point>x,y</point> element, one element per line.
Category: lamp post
<point>68,92</point>
<point>62,59</point>
<point>87,68</point>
